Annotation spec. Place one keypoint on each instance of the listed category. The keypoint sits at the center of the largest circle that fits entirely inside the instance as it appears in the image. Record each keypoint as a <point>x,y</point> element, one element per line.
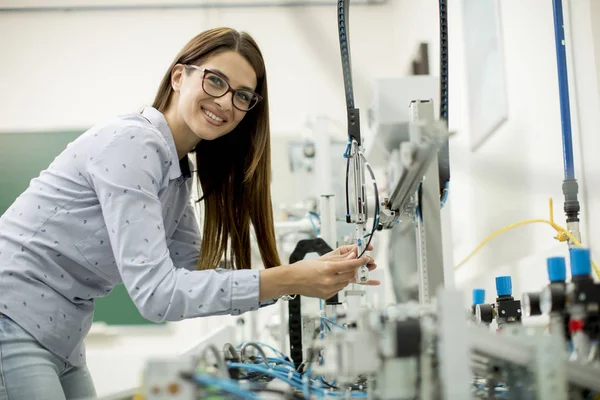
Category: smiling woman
<point>209,101</point>
<point>114,207</point>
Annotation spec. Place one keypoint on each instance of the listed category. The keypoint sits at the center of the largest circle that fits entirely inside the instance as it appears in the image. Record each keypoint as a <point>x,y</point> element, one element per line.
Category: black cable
<point>377,210</point>
<point>348,220</point>
<point>377,206</point>
<point>257,376</point>
<point>357,387</point>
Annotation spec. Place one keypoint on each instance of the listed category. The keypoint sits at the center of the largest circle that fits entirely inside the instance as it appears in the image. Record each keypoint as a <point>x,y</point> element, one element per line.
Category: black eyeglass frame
<point>229,88</point>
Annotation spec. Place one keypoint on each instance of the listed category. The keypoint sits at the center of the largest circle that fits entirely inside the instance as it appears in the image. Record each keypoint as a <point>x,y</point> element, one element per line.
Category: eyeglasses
<point>216,85</point>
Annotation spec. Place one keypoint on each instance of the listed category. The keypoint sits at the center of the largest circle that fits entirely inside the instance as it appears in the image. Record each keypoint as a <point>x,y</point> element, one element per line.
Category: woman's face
<point>206,116</point>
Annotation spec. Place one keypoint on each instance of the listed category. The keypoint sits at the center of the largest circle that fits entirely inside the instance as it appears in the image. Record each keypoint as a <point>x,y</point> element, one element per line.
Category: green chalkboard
<point>23,156</point>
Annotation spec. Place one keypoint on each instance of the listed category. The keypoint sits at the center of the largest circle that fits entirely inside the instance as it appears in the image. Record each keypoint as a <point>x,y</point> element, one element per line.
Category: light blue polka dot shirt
<point>112,208</point>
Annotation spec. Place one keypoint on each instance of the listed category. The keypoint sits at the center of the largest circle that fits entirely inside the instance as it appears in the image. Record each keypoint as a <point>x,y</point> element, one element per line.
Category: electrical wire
<point>310,216</point>
<point>233,353</point>
<point>273,360</point>
<point>563,235</point>
<point>254,377</point>
<point>283,369</point>
<point>377,210</point>
<point>274,350</point>
<point>445,195</point>
<point>216,353</point>
<point>314,214</point>
<point>290,377</point>
<point>375,189</point>
<point>279,367</point>
<point>348,220</point>
<point>293,379</point>
<point>311,357</point>
<point>257,347</point>
<point>328,321</point>
<point>234,389</point>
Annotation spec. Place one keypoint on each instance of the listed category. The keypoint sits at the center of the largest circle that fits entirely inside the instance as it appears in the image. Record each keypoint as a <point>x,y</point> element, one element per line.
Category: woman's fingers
<point>348,265</point>
<point>343,251</point>
<point>372,282</point>
<point>345,277</point>
<point>338,257</point>
<point>348,248</point>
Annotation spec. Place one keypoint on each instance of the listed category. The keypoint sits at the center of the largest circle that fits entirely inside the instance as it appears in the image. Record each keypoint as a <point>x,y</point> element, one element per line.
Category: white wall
<point>73,69</point>
<point>69,70</point>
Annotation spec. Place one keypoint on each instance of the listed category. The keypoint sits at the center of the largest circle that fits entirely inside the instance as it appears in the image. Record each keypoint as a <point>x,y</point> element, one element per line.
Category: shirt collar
<point>178,168</point>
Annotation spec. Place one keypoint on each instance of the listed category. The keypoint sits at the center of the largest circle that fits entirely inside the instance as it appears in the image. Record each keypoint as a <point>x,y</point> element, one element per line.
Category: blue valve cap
<point>557,269</point>
<point>478,296</point>
<point>503,286</point>
<point>581,264</point>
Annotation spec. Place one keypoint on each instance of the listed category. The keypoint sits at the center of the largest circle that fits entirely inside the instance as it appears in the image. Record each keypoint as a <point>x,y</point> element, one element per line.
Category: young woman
<point>114,207</point>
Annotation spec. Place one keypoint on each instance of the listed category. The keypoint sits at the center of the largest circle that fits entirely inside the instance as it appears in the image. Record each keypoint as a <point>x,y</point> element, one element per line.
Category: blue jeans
<point>30,372</point>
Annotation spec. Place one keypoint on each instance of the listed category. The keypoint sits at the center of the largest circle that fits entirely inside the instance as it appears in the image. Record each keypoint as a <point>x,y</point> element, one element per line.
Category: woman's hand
<point>343,251</point>
<point>322,277</point>
<point>325,276</point>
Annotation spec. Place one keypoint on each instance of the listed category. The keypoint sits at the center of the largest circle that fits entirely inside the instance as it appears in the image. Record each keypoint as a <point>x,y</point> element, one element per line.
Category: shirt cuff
<point>245,291</point>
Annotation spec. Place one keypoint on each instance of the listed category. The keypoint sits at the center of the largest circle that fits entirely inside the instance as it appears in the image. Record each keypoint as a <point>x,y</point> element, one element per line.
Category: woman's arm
<point>185,242</point>
<point>127,172</point>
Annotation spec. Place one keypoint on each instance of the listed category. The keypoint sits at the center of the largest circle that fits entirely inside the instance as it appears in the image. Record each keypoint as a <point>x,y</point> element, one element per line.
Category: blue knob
<point>580,262</point>
<point>557,269</point>
<point>503,286</point>
<point>478,296</point>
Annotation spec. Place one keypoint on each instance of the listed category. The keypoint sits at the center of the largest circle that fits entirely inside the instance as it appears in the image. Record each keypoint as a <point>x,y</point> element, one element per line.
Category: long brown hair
<point>235,169</point>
